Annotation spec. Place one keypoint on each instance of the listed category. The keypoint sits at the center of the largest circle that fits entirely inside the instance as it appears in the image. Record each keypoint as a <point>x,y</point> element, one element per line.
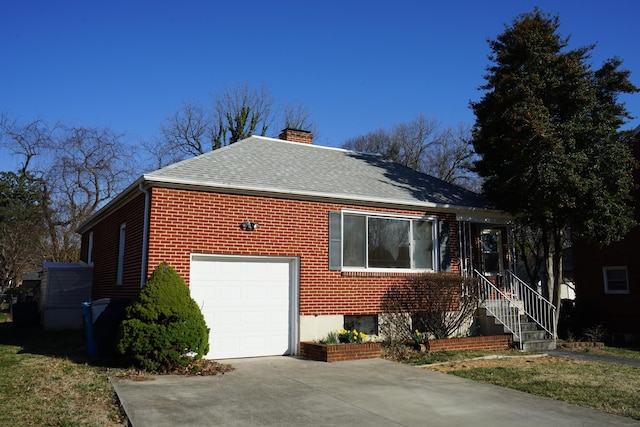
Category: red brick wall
<point>296,135</point>
<point>105,252</point>
<point>618,313</point>
<point>185,222</point>
<point>493,342</point>
<point>340,352</point>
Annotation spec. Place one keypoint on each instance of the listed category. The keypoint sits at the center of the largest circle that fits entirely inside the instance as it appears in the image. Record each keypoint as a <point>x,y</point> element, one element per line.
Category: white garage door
<point>247,304</point>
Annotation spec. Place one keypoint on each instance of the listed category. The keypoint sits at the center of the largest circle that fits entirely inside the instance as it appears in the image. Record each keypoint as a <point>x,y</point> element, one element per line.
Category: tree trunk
<point>553,268</point>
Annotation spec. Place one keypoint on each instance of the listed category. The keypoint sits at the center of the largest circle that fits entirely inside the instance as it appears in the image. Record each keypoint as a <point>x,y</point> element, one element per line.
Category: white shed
<point>63,289</point>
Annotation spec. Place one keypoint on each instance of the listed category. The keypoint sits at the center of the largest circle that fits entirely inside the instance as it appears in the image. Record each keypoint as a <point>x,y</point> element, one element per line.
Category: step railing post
<point>536,306</point>
<point>506,310</point>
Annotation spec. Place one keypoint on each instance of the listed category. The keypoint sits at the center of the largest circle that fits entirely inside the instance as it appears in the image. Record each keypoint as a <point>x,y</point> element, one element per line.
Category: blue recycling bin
<point>102,319</point>
<point>92,348</point>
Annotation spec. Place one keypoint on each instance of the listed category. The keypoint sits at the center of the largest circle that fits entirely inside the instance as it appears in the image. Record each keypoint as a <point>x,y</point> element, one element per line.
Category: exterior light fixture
<point>249,226</point>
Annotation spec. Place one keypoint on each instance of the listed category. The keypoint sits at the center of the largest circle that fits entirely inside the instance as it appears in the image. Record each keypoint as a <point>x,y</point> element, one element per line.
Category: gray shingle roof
<point>267,165</point>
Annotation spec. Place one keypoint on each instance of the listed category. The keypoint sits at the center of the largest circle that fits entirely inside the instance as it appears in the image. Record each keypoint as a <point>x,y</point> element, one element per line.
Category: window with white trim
<point>616,280</point>
<point>123,229</point>
<point>360,240</point>
<point>90,249</point>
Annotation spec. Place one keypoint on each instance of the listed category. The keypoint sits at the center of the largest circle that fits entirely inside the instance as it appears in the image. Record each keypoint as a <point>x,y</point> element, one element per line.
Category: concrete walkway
<point>288,391</point>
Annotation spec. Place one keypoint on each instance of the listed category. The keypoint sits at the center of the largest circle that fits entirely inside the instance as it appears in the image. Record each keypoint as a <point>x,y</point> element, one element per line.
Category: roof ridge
<point>203,156</point>
<point>268,138</point>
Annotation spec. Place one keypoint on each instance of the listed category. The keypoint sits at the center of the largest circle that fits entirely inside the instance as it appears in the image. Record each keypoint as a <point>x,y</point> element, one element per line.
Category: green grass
<point>45,379</point>
<point>612,388</point>
<point>452,356</point>
<point>607,387</point>
<point>631,353</point>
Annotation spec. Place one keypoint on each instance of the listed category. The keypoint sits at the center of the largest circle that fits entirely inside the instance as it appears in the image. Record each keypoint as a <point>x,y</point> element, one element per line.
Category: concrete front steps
<point>533,338</point>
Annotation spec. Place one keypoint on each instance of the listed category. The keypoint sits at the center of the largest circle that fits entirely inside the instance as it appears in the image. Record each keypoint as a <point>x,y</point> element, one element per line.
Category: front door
<point>491,253</point>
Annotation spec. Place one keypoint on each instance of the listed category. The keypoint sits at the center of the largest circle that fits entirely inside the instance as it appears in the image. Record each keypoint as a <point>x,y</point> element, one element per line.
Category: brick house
<point>282,241</point>
<point>607,278</point>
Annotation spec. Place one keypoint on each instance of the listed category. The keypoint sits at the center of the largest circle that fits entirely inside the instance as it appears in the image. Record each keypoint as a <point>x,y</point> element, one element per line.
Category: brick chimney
<point>297,135</point>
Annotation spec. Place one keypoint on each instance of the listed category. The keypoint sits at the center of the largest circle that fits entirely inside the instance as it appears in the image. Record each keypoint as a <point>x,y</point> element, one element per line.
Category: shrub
<point>595,333</point>
<point>163,327</point>
<point>331,338</point>
<point>437,304</point>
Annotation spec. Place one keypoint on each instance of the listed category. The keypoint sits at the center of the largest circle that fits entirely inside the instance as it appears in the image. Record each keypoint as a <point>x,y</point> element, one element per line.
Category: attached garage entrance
<point>249,304</point>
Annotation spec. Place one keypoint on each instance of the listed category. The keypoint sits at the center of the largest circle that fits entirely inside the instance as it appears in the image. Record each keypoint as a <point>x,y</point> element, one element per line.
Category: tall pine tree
<point>548,135</point>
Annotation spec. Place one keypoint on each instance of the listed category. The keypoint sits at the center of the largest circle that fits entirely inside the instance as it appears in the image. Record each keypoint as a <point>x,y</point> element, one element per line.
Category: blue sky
<point>356,65</point>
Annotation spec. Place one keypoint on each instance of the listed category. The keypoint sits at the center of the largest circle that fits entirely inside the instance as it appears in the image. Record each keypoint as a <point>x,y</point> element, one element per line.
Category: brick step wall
<point>340,352</point>
<point>490,342</point>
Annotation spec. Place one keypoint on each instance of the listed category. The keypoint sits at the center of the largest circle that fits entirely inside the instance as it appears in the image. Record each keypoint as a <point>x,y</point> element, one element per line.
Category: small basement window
<point>616,280</point>
<point>365,323</point>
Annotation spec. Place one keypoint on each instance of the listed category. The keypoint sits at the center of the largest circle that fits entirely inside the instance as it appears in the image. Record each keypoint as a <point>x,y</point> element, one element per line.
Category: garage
<point>249,304</point>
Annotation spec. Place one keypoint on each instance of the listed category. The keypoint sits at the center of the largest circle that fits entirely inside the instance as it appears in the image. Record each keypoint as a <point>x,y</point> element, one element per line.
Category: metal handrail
<point>506,311</point>
<point>536,307</point>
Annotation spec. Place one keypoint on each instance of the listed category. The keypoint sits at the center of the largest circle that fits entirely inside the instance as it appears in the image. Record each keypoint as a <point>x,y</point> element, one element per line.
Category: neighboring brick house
<point>607,278</point>
<point>282,241</point>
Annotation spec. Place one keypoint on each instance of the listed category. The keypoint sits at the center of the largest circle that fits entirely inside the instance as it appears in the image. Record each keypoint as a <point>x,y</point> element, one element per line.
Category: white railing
<point>500,305</point>
<point>536,307</point>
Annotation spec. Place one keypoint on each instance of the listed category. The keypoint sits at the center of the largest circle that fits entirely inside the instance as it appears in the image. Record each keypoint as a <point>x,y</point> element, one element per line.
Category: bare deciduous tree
<point>239,112</point>
<point>423,145</point>
<point>438,304</point>
<point>26,141</point>
<point>91,165</point>
<point>236,113</point>
<point>298,117</point>
<point>77,169</point>
<point>188,131</point>
<point>451,157</point>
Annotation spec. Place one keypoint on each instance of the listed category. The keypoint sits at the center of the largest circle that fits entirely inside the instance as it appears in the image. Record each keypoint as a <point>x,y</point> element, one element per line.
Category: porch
<point>508,304</point>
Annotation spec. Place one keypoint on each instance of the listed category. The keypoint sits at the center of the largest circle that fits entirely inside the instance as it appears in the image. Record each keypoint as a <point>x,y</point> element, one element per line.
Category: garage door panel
<point>246,304</point>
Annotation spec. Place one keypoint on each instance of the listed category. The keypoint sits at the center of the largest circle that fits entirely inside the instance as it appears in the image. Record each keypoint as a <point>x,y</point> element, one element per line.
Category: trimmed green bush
<point>163,327</point>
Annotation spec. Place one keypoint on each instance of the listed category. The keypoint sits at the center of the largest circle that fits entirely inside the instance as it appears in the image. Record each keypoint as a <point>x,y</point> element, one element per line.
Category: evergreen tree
<point>548,135</point>
<point>22,227</point>
<point>163,326</point>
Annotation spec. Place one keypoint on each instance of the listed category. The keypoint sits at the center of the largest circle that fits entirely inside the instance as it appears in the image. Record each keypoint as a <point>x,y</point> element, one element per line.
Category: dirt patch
<point>493,362</point>
<point>202,367</point>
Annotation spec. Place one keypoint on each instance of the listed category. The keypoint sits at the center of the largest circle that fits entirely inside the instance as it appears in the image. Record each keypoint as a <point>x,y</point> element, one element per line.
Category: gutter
<point>479,214</point>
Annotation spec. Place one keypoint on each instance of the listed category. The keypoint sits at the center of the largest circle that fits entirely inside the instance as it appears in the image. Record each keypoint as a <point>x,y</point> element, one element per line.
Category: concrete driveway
<point>288,391</point>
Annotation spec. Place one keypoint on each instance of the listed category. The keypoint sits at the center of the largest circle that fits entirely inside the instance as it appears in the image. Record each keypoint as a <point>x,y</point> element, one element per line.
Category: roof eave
<point>122,198</point>
<point>463,213</point>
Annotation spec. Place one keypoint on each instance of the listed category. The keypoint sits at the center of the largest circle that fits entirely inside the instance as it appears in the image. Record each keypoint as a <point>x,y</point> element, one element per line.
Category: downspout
<point>462,256</point>
<point>145,235</point>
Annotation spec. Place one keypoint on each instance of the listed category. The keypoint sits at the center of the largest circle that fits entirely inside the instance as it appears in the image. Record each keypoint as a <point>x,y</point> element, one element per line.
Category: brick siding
<point>340,352</point>
<point>492,342</point>
<point>183,222</point>
<point>106,236</point>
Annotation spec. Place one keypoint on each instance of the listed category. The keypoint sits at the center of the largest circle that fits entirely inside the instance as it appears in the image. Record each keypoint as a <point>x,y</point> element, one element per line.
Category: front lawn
<point>46,380</point>
<point>607,387</point>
